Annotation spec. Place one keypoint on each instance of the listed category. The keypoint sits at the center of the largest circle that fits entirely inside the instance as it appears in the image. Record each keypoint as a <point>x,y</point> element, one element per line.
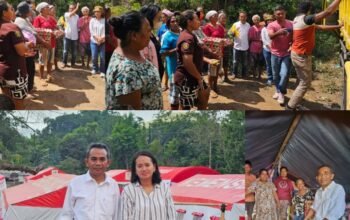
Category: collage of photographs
<point>174,110</point>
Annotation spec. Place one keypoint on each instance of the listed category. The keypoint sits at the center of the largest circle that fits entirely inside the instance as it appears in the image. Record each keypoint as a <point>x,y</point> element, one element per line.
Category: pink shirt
<point>281,43</point>
<point>284,188</point>
<point>211,31</point>
<point>84,31</point>
<point>254,36</point>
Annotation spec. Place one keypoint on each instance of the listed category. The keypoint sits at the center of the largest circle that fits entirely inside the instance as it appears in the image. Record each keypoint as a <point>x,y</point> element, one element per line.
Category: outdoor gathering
<point>113,165</point>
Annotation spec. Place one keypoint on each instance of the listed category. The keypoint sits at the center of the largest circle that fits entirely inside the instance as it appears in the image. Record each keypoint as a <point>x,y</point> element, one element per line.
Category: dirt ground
<point>253,94</point>
<point>76,88</point>
<point>73,88</point>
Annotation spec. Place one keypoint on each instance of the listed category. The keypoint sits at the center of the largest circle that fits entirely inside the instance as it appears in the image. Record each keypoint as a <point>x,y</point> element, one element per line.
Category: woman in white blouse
<point>147,197</point>
<point>97,43</point>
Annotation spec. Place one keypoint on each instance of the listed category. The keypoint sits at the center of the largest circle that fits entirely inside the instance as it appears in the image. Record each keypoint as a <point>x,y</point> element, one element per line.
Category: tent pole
<point>290,132</point>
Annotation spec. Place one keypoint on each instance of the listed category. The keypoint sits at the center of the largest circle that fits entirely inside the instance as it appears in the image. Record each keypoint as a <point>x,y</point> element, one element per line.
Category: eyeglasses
<point>174,21</point>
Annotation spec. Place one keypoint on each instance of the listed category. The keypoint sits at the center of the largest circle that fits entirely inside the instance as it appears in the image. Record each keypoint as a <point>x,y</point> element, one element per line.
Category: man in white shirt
<point>329,201</point>
<point>71,34</point>
<point>240,30</point>
<point>94,195</point>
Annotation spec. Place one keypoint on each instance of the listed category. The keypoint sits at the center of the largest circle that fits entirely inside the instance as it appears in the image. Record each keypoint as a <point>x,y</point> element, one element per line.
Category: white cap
<point>40,6</point>
<point>210,14</point>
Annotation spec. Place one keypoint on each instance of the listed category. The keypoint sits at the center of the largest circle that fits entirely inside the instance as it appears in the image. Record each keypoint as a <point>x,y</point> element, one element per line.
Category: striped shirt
<point>97,28</point>
<point>137,205</point>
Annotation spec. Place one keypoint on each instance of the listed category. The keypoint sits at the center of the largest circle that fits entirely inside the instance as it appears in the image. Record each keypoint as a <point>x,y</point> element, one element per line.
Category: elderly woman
<point>23,13</point>
<point>13,49</point>
<point>97,43</point>
<point>266,199</point>
<point>227,50</point>
<point>84,36</point>
<point>168,49</point>
<point>256,47</point>
<point>46,55</point>
<point>132,82</point>
<point>58,35</point>
<point>147,196</point>
<point>213,29</point>
<point>300,199</point>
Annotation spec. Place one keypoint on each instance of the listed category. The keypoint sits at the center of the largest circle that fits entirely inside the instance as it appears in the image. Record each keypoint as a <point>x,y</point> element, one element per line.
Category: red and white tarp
<point>206,193</point>
<point>46,172</point>
<point>39,199</point>
<point>172,174</point>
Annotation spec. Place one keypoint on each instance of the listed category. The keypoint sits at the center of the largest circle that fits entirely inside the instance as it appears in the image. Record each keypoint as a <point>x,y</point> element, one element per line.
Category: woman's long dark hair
<point>4,6</point>
<point>156,179</point>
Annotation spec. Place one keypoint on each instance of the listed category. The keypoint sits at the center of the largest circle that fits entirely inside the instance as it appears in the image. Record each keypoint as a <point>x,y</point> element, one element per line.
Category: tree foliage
<point>207,138</point>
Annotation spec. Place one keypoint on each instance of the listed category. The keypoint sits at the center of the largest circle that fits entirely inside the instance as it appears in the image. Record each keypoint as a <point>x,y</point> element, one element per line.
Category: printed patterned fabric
<point>125,76</point>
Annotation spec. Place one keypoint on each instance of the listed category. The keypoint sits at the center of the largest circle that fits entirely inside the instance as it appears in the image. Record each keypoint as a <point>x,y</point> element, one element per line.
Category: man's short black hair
<point>305,6</point>
<point>262,170</point>
<point>279,8</point>
<point>326,165</point>
<point>247,162</point>
<point>283,167</point>
<point>98,146</point>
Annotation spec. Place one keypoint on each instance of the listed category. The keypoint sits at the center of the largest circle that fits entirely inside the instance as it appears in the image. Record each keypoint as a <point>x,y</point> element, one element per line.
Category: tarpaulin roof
<point>301,141</point>
<point>174,174</point>
<point>46,172</point>
<point>48,191</point>
<point>118,175</point>
<point>178,174</point>
<point>211,190</point>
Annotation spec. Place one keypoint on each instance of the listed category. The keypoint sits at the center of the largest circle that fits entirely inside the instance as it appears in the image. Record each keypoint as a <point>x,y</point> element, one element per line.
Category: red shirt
<point>284,188</point>
<point>47,23</point>
<point>211,31</point>
<point>84,31</point>
<point>254,36</point>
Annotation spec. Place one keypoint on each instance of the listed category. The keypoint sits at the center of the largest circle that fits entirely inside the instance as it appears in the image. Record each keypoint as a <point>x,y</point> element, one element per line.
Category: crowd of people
<point>195,44</point>
<point>35,32</point>
<point>96,196</point>
<point>283,199</point>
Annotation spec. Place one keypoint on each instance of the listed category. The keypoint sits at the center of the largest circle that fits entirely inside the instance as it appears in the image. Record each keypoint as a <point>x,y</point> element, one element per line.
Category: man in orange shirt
<point>249,197</point>
<point>304,27</point>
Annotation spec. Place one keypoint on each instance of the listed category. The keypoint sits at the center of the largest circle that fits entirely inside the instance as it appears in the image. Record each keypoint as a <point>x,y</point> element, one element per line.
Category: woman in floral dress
<point>132,82</point>
<point>266,200</point>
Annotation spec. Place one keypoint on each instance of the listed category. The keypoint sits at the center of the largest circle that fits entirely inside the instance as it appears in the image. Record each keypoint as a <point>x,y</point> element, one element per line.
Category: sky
<point>35,119</point>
